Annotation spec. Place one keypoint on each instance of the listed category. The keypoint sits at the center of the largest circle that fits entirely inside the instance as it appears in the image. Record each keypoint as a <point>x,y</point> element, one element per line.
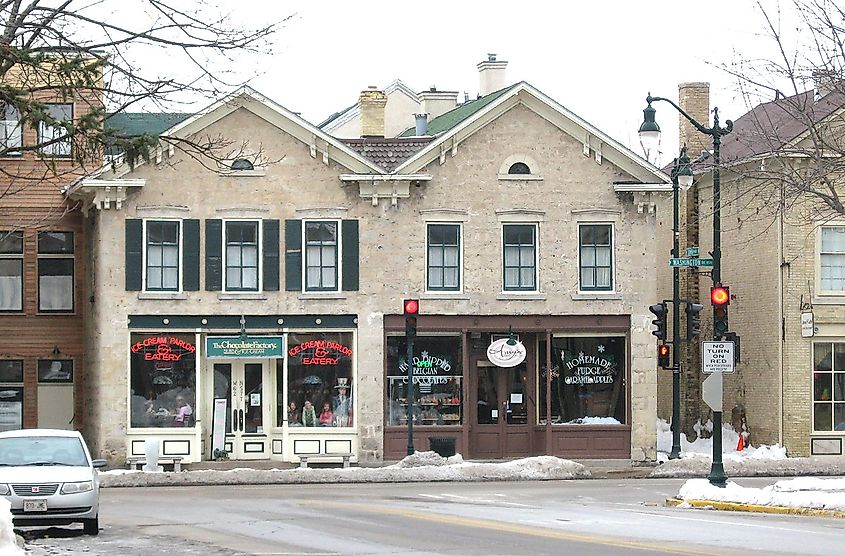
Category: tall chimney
<point>491,75</point>
<point>372,102</point>
<point>435,103</point>
<point>694,99</point>
<point>421,121</point>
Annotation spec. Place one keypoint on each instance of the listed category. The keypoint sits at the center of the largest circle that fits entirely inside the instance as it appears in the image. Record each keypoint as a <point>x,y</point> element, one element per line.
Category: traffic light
<point>720,298</point>
<point>663,353</point>
<point>693,319</point>
<point>660,311</point>
<point>411,308</point>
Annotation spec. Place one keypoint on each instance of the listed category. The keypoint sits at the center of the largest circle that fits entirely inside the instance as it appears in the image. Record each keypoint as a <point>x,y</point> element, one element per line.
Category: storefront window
<point>587,381</point>
<point>320,385</point>
<point>437,390</point>
<point>162,380</point>
<point>829,387</point>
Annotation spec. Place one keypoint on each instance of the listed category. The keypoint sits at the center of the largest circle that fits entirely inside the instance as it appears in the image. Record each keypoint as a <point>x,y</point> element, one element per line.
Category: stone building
<point>255,307</point>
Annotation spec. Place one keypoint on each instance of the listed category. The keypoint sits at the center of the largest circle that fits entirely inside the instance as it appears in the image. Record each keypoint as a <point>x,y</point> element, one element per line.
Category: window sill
<point>242,173</point>
<point>229,296</point>
<point>519,177</point>
<point>833,299</point>
<point>517,296</point>
<point>452,296</point>
<point>172,296</point>
<point>596,296</point>
<point>318,296</point>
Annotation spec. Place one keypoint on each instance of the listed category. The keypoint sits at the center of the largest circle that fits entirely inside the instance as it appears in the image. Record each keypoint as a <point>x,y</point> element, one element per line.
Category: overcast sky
<point>597,58</point>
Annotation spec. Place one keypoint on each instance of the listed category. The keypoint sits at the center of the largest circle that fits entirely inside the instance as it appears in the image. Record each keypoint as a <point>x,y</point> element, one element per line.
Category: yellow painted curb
<point>738,507</point>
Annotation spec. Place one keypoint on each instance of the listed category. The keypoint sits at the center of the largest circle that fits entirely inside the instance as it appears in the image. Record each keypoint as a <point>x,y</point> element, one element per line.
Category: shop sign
<point>251,346</point>
<point>808,328</point>
<point>428,369</point>
<point>503,354</point>
<point>590,369</point>
<point>163,348</point>
<point>320,352</point>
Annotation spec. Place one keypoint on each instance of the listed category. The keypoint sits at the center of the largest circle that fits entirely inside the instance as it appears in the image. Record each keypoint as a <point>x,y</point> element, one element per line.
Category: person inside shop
<point>309,416</point>
<point>326,416</point>
<point>182,414</point>
<point>342,407</point>
<point>294,414</point>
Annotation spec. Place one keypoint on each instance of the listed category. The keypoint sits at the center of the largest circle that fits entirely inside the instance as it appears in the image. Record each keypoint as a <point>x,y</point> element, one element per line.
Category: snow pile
<point>818,494</point>
<point>421,467</point>
<point>704,446</point>
<point>8,544</point>
<point>595,421</point>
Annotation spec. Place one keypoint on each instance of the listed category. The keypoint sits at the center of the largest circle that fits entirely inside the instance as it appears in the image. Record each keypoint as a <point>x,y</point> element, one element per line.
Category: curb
<point>755,508</point>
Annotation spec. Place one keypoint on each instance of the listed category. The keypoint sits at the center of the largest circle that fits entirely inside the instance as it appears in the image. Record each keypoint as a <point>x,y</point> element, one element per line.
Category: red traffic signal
<point>720,296</point>
<point>663,351</point>
<point>411,306</point>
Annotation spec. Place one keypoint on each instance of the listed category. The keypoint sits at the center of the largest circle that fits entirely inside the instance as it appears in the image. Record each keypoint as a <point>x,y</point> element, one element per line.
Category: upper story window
<point>47,133</point>
<point>10,130</point>
<point>444,257</point>
<point>596,257</point>
<point>519,168</point>
<point>520,257</point>
<point>832,259</point>
<point>11,271</point>
<point>55,272</point>
<point>162,255</point>
<point>321,257</point>
<point>242,255</point>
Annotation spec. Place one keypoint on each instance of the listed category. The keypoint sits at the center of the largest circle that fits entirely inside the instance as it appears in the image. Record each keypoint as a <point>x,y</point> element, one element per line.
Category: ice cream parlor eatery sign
<point>260,347</point>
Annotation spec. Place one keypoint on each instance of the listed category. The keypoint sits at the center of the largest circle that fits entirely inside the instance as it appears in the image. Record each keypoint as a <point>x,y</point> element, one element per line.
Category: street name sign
<point>690,262</point>
<point>711,391</point>
<point>717,357</point>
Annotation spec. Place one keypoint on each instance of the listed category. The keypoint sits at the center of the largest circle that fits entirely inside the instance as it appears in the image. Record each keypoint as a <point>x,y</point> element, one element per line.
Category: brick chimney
<point>491,75</point>
<point>372,103</point>
<point>694,99</point>
<point>435,103</point>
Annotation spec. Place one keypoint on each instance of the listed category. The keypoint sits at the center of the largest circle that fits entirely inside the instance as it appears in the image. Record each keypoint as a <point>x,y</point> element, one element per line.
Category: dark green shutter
<point>213,255</point>
<point>293,255</point>
<point>349,248</point>
<point>271,255</point>
<point>191,255</point>
<point>134,254</point>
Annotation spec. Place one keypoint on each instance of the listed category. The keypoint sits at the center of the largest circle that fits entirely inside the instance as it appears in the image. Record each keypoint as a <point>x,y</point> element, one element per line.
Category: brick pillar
<point>694,99</point>
<point>372,102</point>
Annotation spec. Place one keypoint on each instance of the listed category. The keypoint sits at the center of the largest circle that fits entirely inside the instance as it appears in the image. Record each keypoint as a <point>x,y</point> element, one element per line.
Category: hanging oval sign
<point>502,354</point>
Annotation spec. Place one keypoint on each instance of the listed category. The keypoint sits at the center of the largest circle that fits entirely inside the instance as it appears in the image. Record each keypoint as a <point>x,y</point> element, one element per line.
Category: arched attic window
<point>242,164</point>
<point>519,168</point>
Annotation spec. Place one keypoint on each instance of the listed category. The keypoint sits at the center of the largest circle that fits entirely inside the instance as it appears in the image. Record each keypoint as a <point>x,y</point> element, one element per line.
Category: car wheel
<point>91,526</point>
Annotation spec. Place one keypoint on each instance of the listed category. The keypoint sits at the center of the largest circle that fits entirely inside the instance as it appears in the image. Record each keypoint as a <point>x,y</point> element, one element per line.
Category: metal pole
<point>409,394</point>
<point>676,322</point>
<point>717,475</point>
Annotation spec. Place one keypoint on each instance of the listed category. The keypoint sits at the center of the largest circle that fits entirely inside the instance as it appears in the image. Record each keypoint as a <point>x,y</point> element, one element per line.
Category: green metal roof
<point>450,119</point>
<point>133,124</point>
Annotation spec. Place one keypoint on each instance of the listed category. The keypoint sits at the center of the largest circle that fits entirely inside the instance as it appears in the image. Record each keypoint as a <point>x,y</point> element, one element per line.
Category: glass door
<point>243,386</point>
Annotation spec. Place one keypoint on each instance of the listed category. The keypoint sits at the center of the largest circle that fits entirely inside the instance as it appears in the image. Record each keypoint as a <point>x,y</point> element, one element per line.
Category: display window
<point>320,380</point>
<point>587,381</point>
<point>437,380</point>
<point>162,380</point>
<point>828,386</point>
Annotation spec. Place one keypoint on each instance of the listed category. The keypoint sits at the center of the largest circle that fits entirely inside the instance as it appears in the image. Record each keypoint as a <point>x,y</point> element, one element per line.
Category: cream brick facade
<point>574,189</point>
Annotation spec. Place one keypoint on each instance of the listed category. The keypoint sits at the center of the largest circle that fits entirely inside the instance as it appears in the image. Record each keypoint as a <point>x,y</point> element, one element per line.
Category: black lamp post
<point>649,136</point>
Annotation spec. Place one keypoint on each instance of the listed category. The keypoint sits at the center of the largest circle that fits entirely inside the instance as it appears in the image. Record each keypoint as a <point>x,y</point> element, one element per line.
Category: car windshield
<point>42,450</point>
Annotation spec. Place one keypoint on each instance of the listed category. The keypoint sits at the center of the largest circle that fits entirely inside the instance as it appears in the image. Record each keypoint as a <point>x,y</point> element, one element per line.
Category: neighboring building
<point>785,269</point>
<point>43,292</point>
<point>274,291</point>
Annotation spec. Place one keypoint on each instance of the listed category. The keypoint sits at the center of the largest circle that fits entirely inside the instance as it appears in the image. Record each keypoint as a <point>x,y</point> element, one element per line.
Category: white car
<point>49,478</point>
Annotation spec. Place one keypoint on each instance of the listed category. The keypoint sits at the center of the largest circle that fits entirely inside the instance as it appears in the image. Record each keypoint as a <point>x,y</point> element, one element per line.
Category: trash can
<point>444,446</point>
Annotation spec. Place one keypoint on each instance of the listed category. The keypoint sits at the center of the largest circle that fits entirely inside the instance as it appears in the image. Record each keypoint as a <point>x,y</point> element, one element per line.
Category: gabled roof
<point>771,126</point>
<point>450,119</point>
<point>464,121</point>
<point>388,152</point>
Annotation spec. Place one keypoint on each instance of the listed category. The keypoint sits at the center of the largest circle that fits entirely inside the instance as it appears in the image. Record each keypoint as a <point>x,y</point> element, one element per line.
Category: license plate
<point>35,505</point>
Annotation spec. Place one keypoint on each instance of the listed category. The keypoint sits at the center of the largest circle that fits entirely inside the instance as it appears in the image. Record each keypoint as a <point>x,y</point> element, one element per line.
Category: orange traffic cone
<point>740,446</point>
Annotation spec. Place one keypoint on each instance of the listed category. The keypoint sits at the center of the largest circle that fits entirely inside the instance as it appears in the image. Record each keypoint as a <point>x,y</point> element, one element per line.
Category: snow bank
<point>796,493</point>
<point>8,544</point>
<point>420,467</point>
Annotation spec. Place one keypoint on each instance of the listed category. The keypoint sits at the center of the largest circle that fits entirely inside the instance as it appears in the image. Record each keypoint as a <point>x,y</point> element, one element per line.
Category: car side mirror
<point>97,463</point>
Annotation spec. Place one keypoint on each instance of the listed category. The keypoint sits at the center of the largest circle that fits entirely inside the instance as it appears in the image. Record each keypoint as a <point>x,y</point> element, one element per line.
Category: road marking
<point>508,527</point>
<point>722,522</point>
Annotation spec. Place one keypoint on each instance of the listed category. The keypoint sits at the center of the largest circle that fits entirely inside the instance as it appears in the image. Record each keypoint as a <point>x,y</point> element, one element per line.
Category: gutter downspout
<point>781,327</point>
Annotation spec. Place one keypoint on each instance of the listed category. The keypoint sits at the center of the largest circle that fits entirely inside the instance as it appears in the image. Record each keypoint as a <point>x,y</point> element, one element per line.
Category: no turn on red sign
<point>717,357</point>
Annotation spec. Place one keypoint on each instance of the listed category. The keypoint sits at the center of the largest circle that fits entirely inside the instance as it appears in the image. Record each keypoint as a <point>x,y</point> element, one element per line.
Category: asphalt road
<point>565,517</point>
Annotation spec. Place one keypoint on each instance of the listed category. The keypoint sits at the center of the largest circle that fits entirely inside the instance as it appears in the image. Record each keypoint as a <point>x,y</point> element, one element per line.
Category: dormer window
<point>242,164</point>
<point>519,168</point>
